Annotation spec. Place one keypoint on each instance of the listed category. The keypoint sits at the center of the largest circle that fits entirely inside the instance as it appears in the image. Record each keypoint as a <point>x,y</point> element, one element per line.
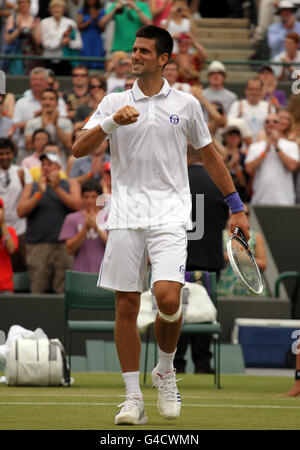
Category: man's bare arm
<point>87,141</point>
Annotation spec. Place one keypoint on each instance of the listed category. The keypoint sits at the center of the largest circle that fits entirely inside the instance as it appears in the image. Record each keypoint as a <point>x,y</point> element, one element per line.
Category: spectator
<point>90,166</point>
<point>22,36</point>
<point>5,122</point>
<point>272,95</point>
<point>118,68</point>
<point>81,234</point>
<point>79,92</point>
<point>49,147</point>
<point>190,57</point>
<point>39,138</point>
<point>28,107</point>
<point>171,73</point>
<point>228,283</point>
<point>128,18</point>
<point>34,6</point>
<point>203,254</point>
<point>252,109</point>
<point>8,245</point>
<point>46,204</point>
<point>294,108</point>
<point>60,35</point>
<point>235,161</point>
<point>5,11</point>
<point>284,126</point>
<point>73,7</point>
<point>88,22</point>
<point>97,89</point>
<point>272,163</point>
<point>13,179</point>
<point>287,24</point>
<point>216,91</point>
<point>178,22</point>
<point>160,10</point>
<point>60,129</point>
<point>291,55</point>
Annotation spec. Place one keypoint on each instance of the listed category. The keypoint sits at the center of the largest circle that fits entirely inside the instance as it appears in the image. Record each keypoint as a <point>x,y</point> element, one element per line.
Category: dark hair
<point>51,90</point>
<point>294,37</point>
<point>80,67</point>
<point>39,130</point>
<point>101,79</point>
<point>50,143</point>
<point>163,39</point>
<point>7,143</point>
<point>91,185</point>
<point>86,6</point>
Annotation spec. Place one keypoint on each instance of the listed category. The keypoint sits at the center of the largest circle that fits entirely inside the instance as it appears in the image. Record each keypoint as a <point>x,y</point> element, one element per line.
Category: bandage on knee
<point>173,318</point>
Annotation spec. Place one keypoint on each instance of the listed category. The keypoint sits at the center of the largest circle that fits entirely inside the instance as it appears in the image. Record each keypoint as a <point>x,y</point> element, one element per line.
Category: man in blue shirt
<point>287,24</point>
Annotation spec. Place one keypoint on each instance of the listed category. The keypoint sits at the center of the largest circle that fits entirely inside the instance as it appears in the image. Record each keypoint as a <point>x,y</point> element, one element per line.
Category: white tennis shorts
<point>124,265</point>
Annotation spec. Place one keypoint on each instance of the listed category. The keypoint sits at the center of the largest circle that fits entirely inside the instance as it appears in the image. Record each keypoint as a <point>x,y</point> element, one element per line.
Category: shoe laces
<point>169,388</point>
<point>131,402</point>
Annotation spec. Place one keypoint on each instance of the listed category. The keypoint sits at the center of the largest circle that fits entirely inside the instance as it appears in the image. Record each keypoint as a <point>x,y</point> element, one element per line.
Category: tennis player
<point>149,128</point>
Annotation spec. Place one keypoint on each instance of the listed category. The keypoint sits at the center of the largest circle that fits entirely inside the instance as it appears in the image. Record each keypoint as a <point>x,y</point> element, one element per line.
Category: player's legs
<point>123,269</point>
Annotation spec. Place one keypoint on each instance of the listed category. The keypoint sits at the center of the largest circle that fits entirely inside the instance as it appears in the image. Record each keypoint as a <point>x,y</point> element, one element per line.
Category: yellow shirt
<point>36,173</point>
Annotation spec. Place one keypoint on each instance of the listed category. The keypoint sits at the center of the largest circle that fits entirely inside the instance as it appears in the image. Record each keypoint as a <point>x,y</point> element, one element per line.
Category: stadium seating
<point>295,276</point>
<point>81,292</point>
<point>21,282</point>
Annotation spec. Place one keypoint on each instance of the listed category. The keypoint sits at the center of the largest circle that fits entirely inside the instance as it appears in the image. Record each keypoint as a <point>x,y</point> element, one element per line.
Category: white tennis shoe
<point>169,400</point>
<point>132,412</point>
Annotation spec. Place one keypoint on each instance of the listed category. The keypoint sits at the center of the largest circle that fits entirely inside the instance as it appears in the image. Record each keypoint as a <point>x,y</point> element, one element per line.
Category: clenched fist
<point>126,115</point>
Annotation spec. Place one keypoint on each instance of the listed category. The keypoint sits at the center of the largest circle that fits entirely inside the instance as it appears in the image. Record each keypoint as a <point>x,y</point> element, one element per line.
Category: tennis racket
<point>243,262</point>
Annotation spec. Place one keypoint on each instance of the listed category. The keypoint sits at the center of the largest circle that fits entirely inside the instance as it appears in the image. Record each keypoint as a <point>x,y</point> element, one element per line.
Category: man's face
<point>6,157</point>
<point>285,14</point>
<point>89,200</point>
<point>39,141</point>
<point>266,76</point>
<point>123,66</point>
<point>216,79</point>
<point>271,123</point>
<point>48,101</point>
<point>171,73</point>
<point>80,78</point>
<point>145,60</point>
<point>253,91</point>
<point>38,82</point>
<point>290,46</point>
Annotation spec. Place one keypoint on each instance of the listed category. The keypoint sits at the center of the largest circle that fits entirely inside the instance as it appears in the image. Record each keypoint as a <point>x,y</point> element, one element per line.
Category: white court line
<point>199,405</point>
<point>208,397</point>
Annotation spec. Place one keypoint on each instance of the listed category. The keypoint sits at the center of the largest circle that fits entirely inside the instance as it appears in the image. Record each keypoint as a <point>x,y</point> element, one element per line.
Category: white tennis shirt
<point>150,185</point>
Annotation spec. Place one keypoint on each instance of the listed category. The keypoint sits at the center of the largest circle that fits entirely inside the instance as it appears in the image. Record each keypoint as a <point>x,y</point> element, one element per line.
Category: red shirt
<point>6,271</point>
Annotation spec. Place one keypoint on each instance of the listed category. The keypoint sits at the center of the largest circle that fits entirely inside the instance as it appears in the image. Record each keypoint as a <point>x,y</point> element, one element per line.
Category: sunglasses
<point>271,121</point>
<point>95,86</point>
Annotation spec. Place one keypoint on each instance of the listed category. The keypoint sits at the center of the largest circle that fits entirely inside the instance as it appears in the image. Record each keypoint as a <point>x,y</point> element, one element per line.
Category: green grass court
<point>244,403</point>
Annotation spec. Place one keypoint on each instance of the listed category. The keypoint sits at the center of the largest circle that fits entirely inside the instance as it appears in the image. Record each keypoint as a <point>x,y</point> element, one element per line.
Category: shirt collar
<point>138,94</point>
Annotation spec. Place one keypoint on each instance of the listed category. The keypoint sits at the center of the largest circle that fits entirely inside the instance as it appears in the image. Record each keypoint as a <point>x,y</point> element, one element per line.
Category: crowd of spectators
<point>49,197</point>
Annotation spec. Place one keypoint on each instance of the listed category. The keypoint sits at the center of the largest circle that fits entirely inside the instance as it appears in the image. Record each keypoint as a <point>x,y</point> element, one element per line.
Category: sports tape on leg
<point>174,318</point>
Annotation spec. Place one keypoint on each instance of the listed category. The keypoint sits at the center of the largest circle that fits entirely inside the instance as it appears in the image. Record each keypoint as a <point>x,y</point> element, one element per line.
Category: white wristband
<point>108,125</point>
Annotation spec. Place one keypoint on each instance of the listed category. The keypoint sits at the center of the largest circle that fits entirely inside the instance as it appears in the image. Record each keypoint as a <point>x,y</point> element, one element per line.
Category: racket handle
<point>238,231</point>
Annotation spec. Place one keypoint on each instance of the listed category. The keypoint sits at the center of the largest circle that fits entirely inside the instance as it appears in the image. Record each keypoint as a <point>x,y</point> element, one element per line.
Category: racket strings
<point>245,264</point>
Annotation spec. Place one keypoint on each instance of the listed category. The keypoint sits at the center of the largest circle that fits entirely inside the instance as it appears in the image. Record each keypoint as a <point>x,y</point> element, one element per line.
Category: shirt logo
<point>174,119</point>
<point>182,269</point>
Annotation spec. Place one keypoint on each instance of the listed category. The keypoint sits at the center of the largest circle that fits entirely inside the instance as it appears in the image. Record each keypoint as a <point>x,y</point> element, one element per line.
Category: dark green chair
<point>295,290</point>
<point>82,293</point>
<point>21,282</point>
<point>209,281</point>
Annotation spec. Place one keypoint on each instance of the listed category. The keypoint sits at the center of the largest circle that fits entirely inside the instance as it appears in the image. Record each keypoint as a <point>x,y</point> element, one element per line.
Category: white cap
<point>53,157</point>
<point>285,4</point>
<point>216,66</point>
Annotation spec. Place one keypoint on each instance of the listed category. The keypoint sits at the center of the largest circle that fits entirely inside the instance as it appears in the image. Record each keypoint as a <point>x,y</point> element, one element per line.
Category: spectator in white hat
<point>216,92</point>
<point>287,24</point>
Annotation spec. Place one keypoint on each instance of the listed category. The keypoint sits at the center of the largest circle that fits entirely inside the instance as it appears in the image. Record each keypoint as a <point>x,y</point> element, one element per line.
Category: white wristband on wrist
<point>108,125</point>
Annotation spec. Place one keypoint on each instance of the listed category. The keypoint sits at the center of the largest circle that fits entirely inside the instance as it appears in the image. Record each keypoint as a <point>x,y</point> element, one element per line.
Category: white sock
<point>165,362</point>
<point>132,383</point>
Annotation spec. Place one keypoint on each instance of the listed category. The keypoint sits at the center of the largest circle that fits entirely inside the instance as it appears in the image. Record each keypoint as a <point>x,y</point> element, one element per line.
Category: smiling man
<point>149,127</point>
